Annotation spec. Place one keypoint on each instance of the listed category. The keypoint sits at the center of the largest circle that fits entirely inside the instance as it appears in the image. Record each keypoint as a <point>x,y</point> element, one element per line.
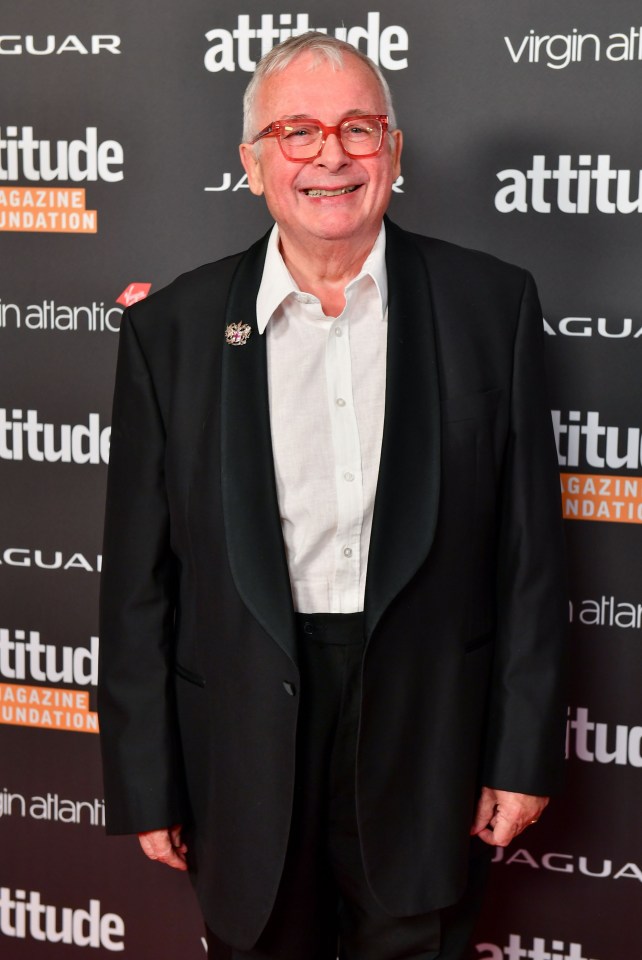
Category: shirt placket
<point>344,588</point>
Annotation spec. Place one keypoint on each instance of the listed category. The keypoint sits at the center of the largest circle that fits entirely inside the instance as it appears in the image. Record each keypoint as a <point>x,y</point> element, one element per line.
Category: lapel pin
<point>237,334</point>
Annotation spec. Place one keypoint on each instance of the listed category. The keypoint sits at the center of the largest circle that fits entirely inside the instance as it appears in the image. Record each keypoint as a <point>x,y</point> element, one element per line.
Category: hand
<point>165,846</point>
<point>501,815</point>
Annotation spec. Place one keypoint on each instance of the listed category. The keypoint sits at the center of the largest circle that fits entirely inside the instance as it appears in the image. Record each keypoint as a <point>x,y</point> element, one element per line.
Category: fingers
<point>175,837</point>
<point>484,812</point>
<point>165,846</point>
<point>501,815</point>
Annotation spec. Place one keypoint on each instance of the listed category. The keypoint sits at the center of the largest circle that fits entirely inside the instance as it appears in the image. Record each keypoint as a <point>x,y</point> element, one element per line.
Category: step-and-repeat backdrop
<point>119,125</point>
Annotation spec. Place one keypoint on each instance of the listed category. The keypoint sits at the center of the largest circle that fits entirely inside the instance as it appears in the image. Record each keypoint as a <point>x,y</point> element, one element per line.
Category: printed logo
<point>27,438</point>
<point>23,657</point>
<point>558,50</point>
<point>570,187</point>
<point>59,210</point>
<point>606,612</point>
<point>623,329</point>
<point>585,440</point>
<point>12,45</point>
<point>595,742</point>
<point>243,46</point>
<point>133,293</point>
<point>53,209</point>
<point>599,498</point>
<point>53,808</point>
<point>582,440</point>
<point>94,317</point>
<point>600,868</point>
<point>23,156</point>
<point>50,559</point>
<point>24,916</point>
<point>521,948</point>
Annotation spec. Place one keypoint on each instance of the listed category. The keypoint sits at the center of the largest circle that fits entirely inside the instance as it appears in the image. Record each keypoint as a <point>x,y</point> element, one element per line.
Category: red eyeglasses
<point>303,140</point>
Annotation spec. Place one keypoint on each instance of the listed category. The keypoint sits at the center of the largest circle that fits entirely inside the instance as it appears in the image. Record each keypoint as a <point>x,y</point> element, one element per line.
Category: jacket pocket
<point>470,406</point>
<point>189,675</point>
<point>479,641</point>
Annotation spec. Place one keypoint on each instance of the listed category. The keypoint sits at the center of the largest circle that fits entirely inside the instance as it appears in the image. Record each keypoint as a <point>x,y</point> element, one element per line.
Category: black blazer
<point>465,600</point>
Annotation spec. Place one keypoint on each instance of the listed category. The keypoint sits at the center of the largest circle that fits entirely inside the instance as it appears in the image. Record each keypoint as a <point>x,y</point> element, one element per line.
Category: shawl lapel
<point>407,498</point>
<point>250,503</point>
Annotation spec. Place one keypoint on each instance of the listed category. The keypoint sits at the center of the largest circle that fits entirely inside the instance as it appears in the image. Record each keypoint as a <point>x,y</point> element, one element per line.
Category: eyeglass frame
<point>274,130</point>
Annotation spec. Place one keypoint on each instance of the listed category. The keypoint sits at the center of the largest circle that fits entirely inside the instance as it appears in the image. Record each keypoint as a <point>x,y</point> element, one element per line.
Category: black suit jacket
<point>465,599</point>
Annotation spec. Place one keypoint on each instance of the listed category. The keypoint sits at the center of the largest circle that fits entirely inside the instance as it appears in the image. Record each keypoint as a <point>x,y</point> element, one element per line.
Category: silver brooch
<point>237,334</point>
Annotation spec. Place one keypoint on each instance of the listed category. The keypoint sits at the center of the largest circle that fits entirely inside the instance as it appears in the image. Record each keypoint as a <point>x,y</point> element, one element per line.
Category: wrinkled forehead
<point>313,86</point>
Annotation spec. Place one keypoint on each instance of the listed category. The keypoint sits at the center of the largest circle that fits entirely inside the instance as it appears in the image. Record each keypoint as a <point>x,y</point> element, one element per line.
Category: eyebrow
<point>354,112</point>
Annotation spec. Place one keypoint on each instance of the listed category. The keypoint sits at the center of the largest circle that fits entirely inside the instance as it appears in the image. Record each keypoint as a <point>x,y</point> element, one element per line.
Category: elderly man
<point>333,607</point>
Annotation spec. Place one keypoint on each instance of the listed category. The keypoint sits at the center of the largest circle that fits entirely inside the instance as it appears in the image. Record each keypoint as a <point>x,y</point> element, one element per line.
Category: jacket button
<point>289,688</point>
<point>308,627</point>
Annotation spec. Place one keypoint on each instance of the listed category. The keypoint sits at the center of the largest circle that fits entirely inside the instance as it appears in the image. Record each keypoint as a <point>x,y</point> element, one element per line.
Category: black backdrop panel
<point>119,169</point>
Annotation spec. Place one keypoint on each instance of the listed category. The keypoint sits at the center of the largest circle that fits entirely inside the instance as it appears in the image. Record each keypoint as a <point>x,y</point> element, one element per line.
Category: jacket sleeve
<point>142,767</point>
<point>527,709</point>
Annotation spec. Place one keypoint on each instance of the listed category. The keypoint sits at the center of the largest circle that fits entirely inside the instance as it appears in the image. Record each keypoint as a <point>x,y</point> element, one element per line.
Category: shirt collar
<point>277,283</point>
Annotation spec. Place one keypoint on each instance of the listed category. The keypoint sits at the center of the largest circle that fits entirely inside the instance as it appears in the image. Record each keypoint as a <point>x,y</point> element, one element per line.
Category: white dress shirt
<point>327,379</point>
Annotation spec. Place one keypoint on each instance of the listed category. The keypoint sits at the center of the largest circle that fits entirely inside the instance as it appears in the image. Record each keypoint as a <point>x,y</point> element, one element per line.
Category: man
<point>332,609</point>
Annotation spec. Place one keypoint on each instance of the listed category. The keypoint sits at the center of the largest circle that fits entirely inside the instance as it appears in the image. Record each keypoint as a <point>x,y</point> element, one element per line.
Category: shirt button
<point>338,332</point>
<point>348,476</point>
<point>347,551</point>
<point>340,402</point>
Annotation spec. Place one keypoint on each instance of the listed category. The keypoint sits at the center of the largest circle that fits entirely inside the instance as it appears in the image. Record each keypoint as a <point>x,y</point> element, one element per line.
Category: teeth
<point>329,193</point>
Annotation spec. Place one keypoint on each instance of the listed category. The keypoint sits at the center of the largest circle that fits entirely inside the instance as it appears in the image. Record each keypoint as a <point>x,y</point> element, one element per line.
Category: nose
<point>332,156</point>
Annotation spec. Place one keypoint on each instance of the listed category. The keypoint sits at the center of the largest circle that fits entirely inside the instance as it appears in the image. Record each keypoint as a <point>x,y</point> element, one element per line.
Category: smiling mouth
<point>316,192</point>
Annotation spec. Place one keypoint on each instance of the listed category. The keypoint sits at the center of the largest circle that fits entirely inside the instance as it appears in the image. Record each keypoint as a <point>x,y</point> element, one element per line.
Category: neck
<point>325,267</point>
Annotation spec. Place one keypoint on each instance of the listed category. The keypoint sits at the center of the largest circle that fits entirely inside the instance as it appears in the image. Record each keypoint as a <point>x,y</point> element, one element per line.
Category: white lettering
<point>244,45</point>
<point>595,742</point>
<point>517,948</point>
<point>570,188</point>
<point>559,50</point>
<point>22,916</point>
<point>585,440</point>
<point>14,44</point>
<point>25,657</point>
<point>24,157</point>
<point>569,863</point>
<point>28,437</point>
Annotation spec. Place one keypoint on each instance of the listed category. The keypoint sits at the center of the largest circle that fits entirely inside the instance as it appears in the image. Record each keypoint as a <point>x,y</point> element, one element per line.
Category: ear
<point>252,166</point>
<point>397,146</point>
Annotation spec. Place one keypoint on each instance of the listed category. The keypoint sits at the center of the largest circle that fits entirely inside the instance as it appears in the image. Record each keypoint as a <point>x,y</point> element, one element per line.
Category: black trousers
<point>324,907</point>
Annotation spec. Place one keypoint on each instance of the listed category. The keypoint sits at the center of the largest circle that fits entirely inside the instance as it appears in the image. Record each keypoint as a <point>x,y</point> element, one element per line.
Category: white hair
<point>322,47</point>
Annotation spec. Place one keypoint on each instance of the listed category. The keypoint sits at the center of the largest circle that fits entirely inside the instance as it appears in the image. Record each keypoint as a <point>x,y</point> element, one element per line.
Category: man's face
<point>306,89</point>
